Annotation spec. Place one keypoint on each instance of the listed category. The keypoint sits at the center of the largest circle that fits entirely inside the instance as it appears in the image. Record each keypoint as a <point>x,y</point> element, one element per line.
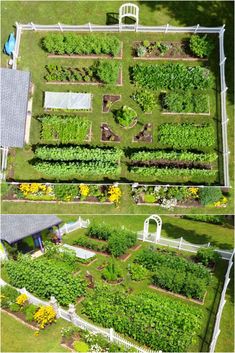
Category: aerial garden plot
<point>146,110</point>
<point>154,297</point>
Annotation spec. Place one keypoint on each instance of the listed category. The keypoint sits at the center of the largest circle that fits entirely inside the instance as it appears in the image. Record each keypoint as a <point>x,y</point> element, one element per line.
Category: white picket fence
<point>70,227</point>
<point>71,316</point>
<point>152,29</point>
<point>182,244</point>
<point>216,330</point>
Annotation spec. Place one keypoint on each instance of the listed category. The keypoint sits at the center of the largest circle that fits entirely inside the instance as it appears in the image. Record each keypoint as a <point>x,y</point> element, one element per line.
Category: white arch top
<point>157,234</point>
<point>129,10</point>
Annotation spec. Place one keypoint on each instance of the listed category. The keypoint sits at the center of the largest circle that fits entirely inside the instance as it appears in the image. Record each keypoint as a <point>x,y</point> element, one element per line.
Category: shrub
<point>149,198</point>
<point>45,315</point>
<point>65,192</point>
<point>21,299</point>
<point>138,272</point>
<point>209,195</point>
<point>92,244</point>
<point>14,307</point>
<point>141,51</point>
<point>214,219</point>
<point>8,296</point>
<point>107,71</point>
<point>30,310</point>
<point>80,346</point>
<point>207,256</point>
<point>112,271</point>
<point>185,102</point>
<point>125,116</point>
<point>146,99</point>
<point>201,46</point>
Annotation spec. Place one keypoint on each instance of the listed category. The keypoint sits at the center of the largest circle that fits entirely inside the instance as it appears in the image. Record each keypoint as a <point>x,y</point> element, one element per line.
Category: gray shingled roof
<point>14,102</point>
<point>16,227</point>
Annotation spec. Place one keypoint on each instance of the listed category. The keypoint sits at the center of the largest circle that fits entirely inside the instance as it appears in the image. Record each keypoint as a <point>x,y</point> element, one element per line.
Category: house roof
<point>16,227</point>
<point>14,102</point>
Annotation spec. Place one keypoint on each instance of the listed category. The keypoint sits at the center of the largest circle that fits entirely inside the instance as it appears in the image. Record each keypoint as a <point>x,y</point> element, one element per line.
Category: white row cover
<point>67,100</point>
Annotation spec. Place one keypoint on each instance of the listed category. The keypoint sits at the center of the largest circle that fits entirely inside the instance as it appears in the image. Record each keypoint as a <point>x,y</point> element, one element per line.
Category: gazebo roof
<point>17,227</point>
<point>14,102</point>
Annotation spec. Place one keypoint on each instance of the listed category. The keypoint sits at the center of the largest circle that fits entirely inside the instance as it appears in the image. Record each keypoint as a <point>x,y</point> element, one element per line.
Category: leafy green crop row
<point>155,321</point>
<point>63,169</point>
<point>45,278</point>
<point>185,102</point>
<point>187,135</point>
<point>64,129</point>
<point>100,154</point>
<point>171,76</point>
<point>81,44</point>
<point>173,156</point>
<point>161,172</point>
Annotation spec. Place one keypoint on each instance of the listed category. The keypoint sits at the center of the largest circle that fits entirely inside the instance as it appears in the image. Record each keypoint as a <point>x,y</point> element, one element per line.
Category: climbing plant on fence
<point>45,278</point>
<point>156,321</point>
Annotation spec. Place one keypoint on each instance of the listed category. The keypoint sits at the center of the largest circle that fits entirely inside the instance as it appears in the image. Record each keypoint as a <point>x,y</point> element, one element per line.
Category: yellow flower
<point>84,190</point>
<point>21,299</point>
<point>36,333</point>
<point>194,191</point>
<point>115,194</point>
<point>45,315</point>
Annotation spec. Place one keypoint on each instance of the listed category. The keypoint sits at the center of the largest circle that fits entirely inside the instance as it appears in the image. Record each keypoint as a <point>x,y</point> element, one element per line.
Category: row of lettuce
<point>117,307</point>
<point>164,196</point>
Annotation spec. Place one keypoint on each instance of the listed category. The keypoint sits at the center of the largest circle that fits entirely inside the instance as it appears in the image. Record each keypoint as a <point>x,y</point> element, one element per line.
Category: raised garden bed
<point>108,101</point>
<point>107,135</point>
<point>170,50</point>
<point>145,135</point>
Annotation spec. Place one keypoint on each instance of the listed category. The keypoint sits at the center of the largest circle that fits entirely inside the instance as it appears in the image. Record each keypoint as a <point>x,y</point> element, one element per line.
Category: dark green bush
<point>138,272</point>
<point>207,256</point>
<point>89,243</point>
<point>214,219</point>
<point>29,311</point>
<point>201,46</point>
<point>65,192</point>
<point>185,102</point>
<point>107,71</point>
<point>208,195</point>
<point>14,307</point>
<point>8,296</point>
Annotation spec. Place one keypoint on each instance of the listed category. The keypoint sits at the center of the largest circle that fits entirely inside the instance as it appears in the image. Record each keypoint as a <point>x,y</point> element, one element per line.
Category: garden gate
<point>129,10</point>
<point>152,237</point>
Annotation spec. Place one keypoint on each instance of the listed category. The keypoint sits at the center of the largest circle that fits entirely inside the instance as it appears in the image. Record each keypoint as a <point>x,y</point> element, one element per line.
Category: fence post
<point>209,244</point>
<point>55,306</point>
<point>111,332</point>
<point>72,312</point>
<point>66,228</point>
<point>196,29</point>
<point>166,30</point>
<point>33,26</point>
<point>180,243</point>
<point>90,28</point>
<point>61,28</point>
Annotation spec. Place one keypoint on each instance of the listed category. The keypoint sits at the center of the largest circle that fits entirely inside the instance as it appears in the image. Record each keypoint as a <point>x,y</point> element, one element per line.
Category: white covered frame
<point>129,10</point>
<point>157,234</point>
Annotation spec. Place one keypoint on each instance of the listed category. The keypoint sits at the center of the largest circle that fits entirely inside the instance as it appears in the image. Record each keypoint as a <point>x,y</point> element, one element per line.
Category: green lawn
<point>16,337</point>
<point>153,13</point>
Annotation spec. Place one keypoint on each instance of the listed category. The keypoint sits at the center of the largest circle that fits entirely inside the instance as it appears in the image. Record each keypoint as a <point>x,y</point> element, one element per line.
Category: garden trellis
<point>197,29</point>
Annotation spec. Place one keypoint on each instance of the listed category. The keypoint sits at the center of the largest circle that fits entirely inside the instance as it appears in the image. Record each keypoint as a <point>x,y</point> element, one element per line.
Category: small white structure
<point>80,252</point>
<point>67,100</point>
<point>129,10</point>
<point>152,237</point>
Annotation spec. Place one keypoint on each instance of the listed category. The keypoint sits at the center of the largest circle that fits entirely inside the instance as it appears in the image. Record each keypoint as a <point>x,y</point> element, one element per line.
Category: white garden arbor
<point>152,237</point>
<point>129,10</point>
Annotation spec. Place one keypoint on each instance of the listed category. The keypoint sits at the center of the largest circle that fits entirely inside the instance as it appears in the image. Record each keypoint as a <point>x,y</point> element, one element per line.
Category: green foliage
<point>187,156</point>
<point>29,311</point>
<point>8,296</point>
<point>107,71</point>
<point>157,321</point>
<point>141,51</point>
<point>72,153</point>
<point>80,346</point>
<point>63,169</point>
<point>14,307</point>
<point>64,129</point>
<point>208,256</point>
<point>214,219</point>
<point>92,244</point>
<point>45,279</point>
<point>208,195</point>
<point>65,192</point>
<point>175,273</point>
<point>185,102</point>
<point>126,116</point>
<point>201,46</point>
<point>138,272</point>
<point>146,99</point>
<point>119,240</point>
<point>171,76</point>
<point>112,272</point>
<point>187,135</point>
<point>64,255</point>
<point>149,198</point>
<point>168,172</point>
<point>71,43</point>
